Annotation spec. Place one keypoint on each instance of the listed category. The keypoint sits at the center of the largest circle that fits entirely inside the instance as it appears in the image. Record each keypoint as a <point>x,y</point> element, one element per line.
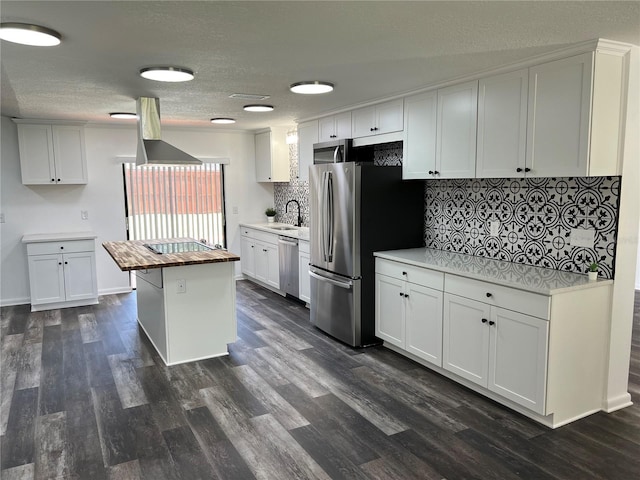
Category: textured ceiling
<point>368,49</point>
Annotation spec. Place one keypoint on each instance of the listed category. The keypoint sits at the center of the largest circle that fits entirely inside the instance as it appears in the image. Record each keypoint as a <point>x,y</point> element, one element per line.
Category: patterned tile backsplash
<point>536,215</point>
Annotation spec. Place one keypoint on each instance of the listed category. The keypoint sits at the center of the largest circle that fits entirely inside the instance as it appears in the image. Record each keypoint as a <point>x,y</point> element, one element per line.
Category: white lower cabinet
<point>498,349</point>
<point>62,273</point>
<point>304,258</point>
<point>409,314</point>
<point>259,256</point>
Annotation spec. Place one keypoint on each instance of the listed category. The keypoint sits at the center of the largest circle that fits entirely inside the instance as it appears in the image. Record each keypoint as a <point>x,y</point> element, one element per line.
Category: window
<point>175,201</point>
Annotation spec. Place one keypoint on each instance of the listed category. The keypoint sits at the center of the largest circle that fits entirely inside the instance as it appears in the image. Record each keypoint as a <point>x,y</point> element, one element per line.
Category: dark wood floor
<point>84,396</point>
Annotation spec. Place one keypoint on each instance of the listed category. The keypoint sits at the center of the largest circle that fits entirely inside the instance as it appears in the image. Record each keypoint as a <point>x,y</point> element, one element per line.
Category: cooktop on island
<point>177,247</point>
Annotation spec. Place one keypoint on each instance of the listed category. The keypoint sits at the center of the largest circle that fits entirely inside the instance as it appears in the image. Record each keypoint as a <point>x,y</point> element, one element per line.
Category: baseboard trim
<point>115,291</point>
<point>617,403</point>
<point>9,302</point>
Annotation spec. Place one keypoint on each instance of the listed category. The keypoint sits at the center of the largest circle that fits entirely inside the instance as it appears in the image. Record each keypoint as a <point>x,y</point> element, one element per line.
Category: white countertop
<point>57,237</point>
<point>544,281</point>
<point>301,233</point>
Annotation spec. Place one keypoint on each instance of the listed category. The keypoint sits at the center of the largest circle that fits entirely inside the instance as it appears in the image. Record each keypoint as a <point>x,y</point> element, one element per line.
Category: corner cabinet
<point>62,270</point>
<point>52,154</point>
<point>272,156</point>
<point>307,136</point>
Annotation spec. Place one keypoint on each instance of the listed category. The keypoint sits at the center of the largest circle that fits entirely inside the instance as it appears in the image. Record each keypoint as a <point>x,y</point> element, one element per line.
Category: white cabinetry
<point>304,259</point>
<point>307,136</point>
<point>52,154</point>
<point>272,156</point>
<point>419,142</point>
<point>378,119</point>
<point>408,310</point>
<point>62,272</point>
<point>456,131</point>
<point>259,256</point>
<point>334,127</point>
<point>502,125</point>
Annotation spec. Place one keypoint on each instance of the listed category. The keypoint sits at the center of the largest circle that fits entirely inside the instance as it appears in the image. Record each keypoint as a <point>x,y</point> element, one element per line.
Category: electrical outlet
<point>181,286</point>
<point>1,217</point>
<point>84,214</point>
<point>494,228</point>
<point>582,237</point>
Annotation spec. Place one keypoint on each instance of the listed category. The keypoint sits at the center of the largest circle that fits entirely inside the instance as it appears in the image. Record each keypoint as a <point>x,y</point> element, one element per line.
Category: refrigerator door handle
<point>346,285</point>
<point>323,216</point>
<point>330,216</point>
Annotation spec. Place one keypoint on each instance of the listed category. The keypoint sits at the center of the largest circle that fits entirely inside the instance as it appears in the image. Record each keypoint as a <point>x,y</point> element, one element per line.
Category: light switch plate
<point>582,237</point>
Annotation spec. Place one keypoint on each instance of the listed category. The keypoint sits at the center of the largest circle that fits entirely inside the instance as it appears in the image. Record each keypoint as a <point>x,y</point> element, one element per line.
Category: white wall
<point>52,208</point>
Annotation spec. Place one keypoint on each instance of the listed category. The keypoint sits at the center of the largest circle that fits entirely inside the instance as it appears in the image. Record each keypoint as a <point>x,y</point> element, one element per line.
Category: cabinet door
<point>559,111</point>
<point>36,154</point>
<point>389,311</point>
<point>273,265</point>
<point>389,117</point>
<point>69,151</point>
<point>247,256</point>
<point>419,145</point>
<point>304,280</point>
<point>307,136</point>
<point>343,125</point>
<point>465,338</point>
<point>502,125</point>
<point>263,157</point>
<point>423,307</point>
<point>518,358</point>
<point>327,129</point>
<point>363,122</point>
<point>80,275</point>
<point>46,278</point>
<point>456,131</point>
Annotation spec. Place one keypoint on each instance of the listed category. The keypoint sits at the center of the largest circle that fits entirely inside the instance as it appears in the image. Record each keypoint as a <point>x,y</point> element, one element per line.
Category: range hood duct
<point>151,149</point>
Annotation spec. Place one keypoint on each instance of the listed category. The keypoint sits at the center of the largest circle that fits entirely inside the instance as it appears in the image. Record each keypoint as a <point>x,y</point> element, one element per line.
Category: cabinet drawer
<point>258,235</point>
<point>510,298</point>
<point>402,271</point>
<point>70,246</point>
<point>152,276</point>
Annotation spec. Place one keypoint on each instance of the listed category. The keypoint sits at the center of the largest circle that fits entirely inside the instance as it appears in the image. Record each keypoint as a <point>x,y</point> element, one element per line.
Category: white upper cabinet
<point>52,154</point>
<point>272,156</point>
<point>334,127</point>
<point>419,141</point>
<point>456,131</point>
<point>558,130</point>
<point>502,125</point>
<point>378,119</point>
<point>307,136</point>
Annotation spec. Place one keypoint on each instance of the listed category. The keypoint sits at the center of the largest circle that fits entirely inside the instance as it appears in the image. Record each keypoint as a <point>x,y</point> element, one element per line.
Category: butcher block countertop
<point>133,255</point>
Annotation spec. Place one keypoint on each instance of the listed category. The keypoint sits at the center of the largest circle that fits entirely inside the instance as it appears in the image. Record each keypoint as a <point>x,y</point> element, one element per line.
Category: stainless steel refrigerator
<point>356,209</point>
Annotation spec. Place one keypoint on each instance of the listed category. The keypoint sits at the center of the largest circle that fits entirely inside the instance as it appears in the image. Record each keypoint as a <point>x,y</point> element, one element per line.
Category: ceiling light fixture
<point>223,120</point>
<point>258,108</point>
<point>27,34</point>
<point>167,74</point>
<point>311,87</point>
<point>124,115</point>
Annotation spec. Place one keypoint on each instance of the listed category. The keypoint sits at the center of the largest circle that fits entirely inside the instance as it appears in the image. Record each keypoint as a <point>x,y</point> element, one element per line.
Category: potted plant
<point>271,214</point>
<point>593,271</point>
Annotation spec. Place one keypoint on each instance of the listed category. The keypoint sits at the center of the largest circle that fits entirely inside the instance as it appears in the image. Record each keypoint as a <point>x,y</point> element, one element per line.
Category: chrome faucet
<point>286,210</point>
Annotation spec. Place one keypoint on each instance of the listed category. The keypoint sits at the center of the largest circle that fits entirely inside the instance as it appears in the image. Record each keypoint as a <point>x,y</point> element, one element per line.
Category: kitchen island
<point>186,295</point>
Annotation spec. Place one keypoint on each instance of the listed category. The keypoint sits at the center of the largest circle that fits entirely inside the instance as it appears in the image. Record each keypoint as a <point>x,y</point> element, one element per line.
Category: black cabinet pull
<point>484,320</point>
<point>406,295</point>
<point>404,273</point>
<point>527,169</point>
<point>59,263</point>
<point>491,322</point>
<point>61,248</point>
<point>489,295</point>
<point>66,263</point>
<point>430,172</point>
<point>53,179</point>
<point>401,294</point>
<point>58,179</point>
<point>371,129</point>
<point>436,172</point>
<point>518,169</point>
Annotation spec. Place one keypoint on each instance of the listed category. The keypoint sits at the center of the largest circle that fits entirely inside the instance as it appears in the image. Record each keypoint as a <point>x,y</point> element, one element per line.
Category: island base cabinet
<point>190,323</point>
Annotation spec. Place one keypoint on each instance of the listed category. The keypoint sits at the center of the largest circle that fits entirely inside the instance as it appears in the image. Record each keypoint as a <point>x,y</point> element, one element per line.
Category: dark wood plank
<point>52,374</point>
<point>189,459</point>
<point>18,443</point>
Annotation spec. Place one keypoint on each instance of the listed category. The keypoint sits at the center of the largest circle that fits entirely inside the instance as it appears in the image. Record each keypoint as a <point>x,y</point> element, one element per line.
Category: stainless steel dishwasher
<point>288,253</point>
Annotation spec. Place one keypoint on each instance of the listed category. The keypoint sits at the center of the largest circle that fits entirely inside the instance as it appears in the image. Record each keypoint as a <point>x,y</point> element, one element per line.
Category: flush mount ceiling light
<point>222,120</point>
<point>27,34</point>
<point>167,74</point>
<point>312,87</point>
<point>258,108</point>
<point>124,115</point>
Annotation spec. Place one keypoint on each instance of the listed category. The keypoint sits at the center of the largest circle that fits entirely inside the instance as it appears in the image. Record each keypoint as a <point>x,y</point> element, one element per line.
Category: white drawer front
<point>510,298</point>
<point>402,271</point>
<point>70,246</point>
<point>258,235</point>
